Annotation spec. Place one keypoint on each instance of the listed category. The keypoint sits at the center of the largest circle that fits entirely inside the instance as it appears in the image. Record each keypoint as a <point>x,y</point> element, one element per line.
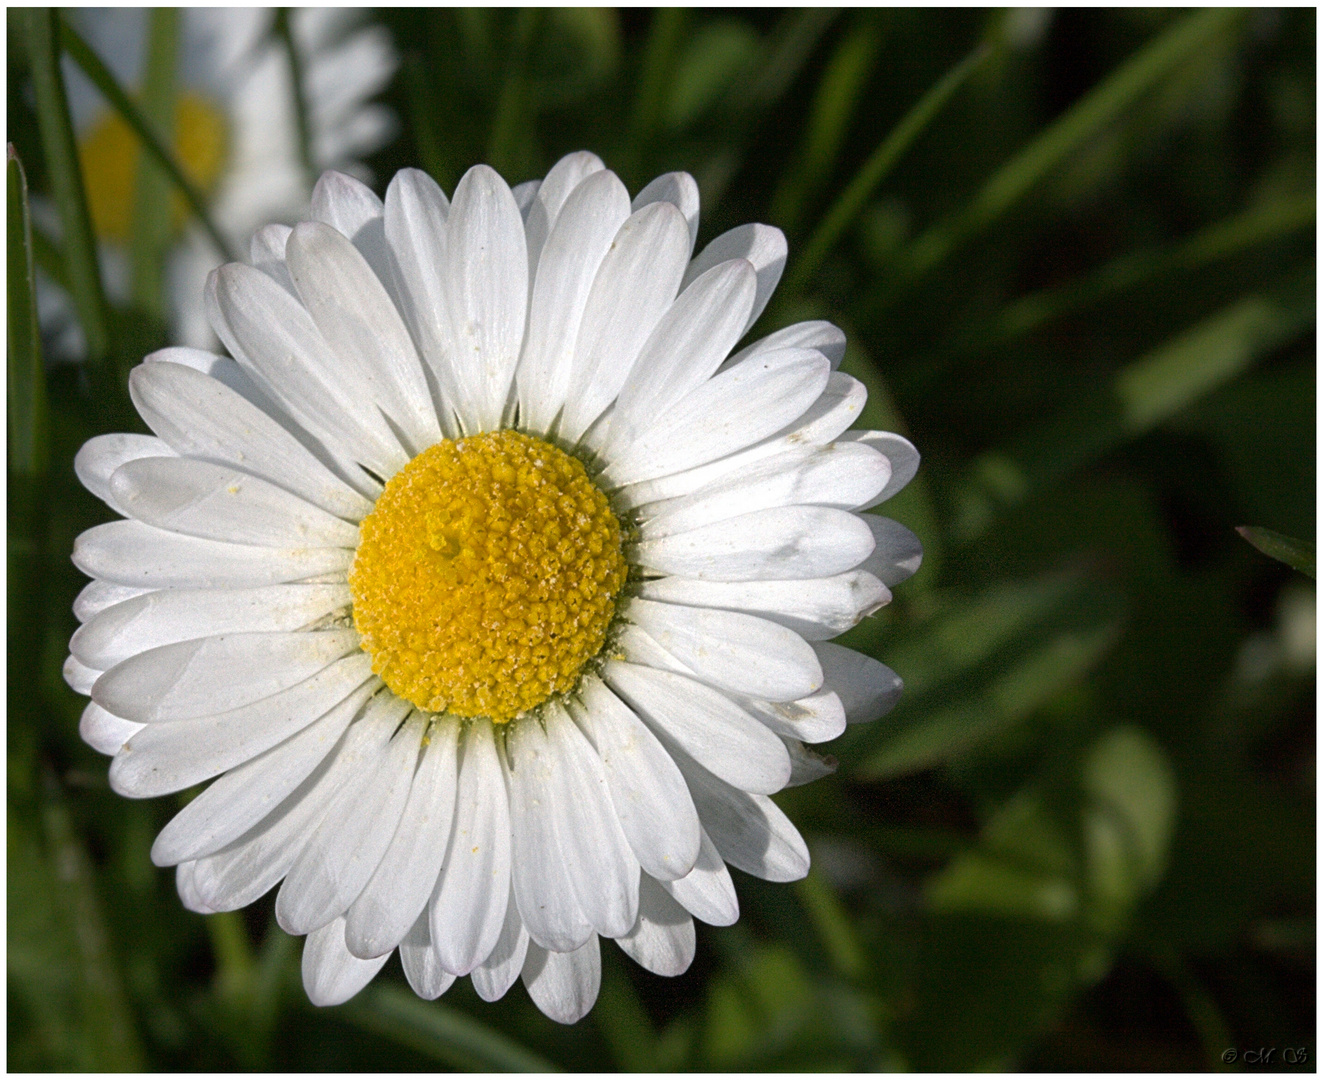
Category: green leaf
<point>62,165</point>
<point>101,76</point>
<point>440,1032</point>
<point>1130,816</point>
<point>1082,121</point>
<point>29,438</point>
<point>1297,554</point>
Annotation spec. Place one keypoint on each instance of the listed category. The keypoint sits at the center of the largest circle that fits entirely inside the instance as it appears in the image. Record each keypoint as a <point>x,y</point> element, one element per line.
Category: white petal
<point>827,338</point>
<point>650,797</point>
<point>246,794</point>
<point>186,887</point>
<point>96,596</point>
<point>203,418</point>
<point>230,374</point>
<point>218,502</point>
<point>897,553</point>
<point>403,882</point>
<point>346,848</point>
<point>276,342</point>
<point>783,543</point>
<point>238,874</point>
<point>816,609</point>
<point>806,765</point>
<point>762,245</point>
<point>750,831</point>
<point>331,973</point>
<point>486,284</point>
<point>634,286</point>
<point>416,213</point>
<point>705,723</point>
<point>842,475</point>
<point>868,689</point>
<point>524,194</point>
<point>104,732</point>
<point>100,456</point>
<point>163,758</point>
<point>662,941</point>
<point>352,208</point>
<point>574,251</point>
<point>729,649</point>
<point>735,409</point>
<point>681,191</point>
<point>834,410</point>
<point>602,868</point>
<point>358,319</point>
<point>564,985</point>
<point>707,892</point>
<point>817,718</point>
<point>167,616</point>
<point>79,676</point>
<point>468,909</point>
<point>131,553</point>
<point>543,883</point>
<point>686,347</point>
<point>422,967</point>
<point>898,450</point>
<point>495,975</point>
<point>550,198</point>
<point>212,675</point>
<point>266,251</point>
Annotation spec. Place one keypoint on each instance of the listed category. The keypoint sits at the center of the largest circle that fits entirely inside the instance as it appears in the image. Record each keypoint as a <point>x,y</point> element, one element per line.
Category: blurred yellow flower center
<point>109,152</point>
<point>486,576</point>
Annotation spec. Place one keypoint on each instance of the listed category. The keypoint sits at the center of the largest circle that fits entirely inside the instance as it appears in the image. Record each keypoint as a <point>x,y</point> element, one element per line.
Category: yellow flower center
<point>109,152</point>
<point>486,576</point>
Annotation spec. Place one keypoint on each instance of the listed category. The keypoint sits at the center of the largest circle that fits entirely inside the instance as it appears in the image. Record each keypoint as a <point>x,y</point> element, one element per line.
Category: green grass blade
<point>1098,108</point>
<point>931,736</point>
<point>440,1032</point>
<point>1225,239</point>
<point>62,165</point>
<point>511,123</point>
<point>29,440</point>
<point>834,105</point>
<point>659,57</point>
<point>1144,394</point>
<point>1297,554</point>
<point>878,166</point>
<point>105,1006</point>
<point>152,206</point>
<point>302,123</point>
<point>106,82</point>
<point>832,922</point>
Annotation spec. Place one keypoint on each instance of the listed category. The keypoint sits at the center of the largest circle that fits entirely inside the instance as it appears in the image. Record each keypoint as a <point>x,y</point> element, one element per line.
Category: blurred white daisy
<point>236,135</point>
<point>496,593</point>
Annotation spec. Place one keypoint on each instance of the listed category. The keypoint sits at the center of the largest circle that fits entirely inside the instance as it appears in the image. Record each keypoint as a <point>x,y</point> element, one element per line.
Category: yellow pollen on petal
<point>486,576</point>
<point>109,152</point>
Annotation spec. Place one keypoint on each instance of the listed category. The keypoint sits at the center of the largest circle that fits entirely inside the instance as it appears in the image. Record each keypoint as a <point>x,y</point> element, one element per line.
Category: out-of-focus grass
<point>1073,252</point>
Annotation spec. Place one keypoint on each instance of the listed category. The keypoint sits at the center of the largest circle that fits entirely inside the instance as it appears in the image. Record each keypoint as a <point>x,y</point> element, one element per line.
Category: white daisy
<point>236,135</point>
<point>494,591</point>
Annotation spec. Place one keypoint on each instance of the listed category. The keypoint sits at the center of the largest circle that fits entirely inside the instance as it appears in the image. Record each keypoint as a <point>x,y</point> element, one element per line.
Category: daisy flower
<point>236,135</point>
<point>492,591</point>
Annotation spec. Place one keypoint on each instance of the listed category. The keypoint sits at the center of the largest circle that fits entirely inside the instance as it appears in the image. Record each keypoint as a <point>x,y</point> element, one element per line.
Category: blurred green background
<point>1073,252</point>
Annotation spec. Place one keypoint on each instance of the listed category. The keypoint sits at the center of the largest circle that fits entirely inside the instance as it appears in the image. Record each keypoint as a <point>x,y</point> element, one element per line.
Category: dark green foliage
<point>1073,253</point>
